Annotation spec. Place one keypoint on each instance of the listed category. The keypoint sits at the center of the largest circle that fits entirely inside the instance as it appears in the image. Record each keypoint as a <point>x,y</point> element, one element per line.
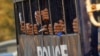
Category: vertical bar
<point>23,37</point>
<point>64,16</point>
<point>20,24</point>
<point>16,23</point>
<point>70,14</point>
<point>45,16</point>
<point>30,11</point>
<point>34,9</point>
<point>57,15</point>
<point>40,25</point>
<point>83,19</point>
<point>17,26</point>
<point>23,14</point>
<point>31,18</point>
<point>50,16</point>
<point>27,17</point>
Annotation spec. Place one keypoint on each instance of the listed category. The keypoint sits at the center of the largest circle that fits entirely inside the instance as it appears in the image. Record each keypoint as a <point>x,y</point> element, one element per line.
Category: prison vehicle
<point>57,27</point>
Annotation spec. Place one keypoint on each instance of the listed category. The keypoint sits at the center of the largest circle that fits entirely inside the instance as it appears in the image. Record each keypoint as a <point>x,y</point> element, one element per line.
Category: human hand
<point>75,25</point>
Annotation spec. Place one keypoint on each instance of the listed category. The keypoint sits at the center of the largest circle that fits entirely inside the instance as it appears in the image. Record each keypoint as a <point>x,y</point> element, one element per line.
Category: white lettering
<point>45,53</point>
<point>53,51</point>
<point>57,51</point>
<point>64,50</point>
<point>39,51</point>
<point>49,51</point>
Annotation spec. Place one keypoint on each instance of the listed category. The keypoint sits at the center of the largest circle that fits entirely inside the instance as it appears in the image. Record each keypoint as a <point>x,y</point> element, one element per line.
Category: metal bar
<point>83,19</point>
<point>64,16</point>
<point>49,5</point>
<point>24,16</point>
<point>40,25</point>
<point>16,23</point>
<point>31,18</point>
<point>30,11</point>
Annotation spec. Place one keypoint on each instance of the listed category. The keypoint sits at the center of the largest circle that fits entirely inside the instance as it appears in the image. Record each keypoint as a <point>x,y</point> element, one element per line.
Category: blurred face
<point>45,14</point>
<point>61,21</point>
<point>50,29</point>
<point>56,28</point>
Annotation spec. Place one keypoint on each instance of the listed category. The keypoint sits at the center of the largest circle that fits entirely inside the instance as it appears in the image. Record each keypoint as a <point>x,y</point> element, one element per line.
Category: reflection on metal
<point>90,9</point>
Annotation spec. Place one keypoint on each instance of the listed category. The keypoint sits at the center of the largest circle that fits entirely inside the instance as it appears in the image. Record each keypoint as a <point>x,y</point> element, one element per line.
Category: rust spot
<point>93,7</point>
